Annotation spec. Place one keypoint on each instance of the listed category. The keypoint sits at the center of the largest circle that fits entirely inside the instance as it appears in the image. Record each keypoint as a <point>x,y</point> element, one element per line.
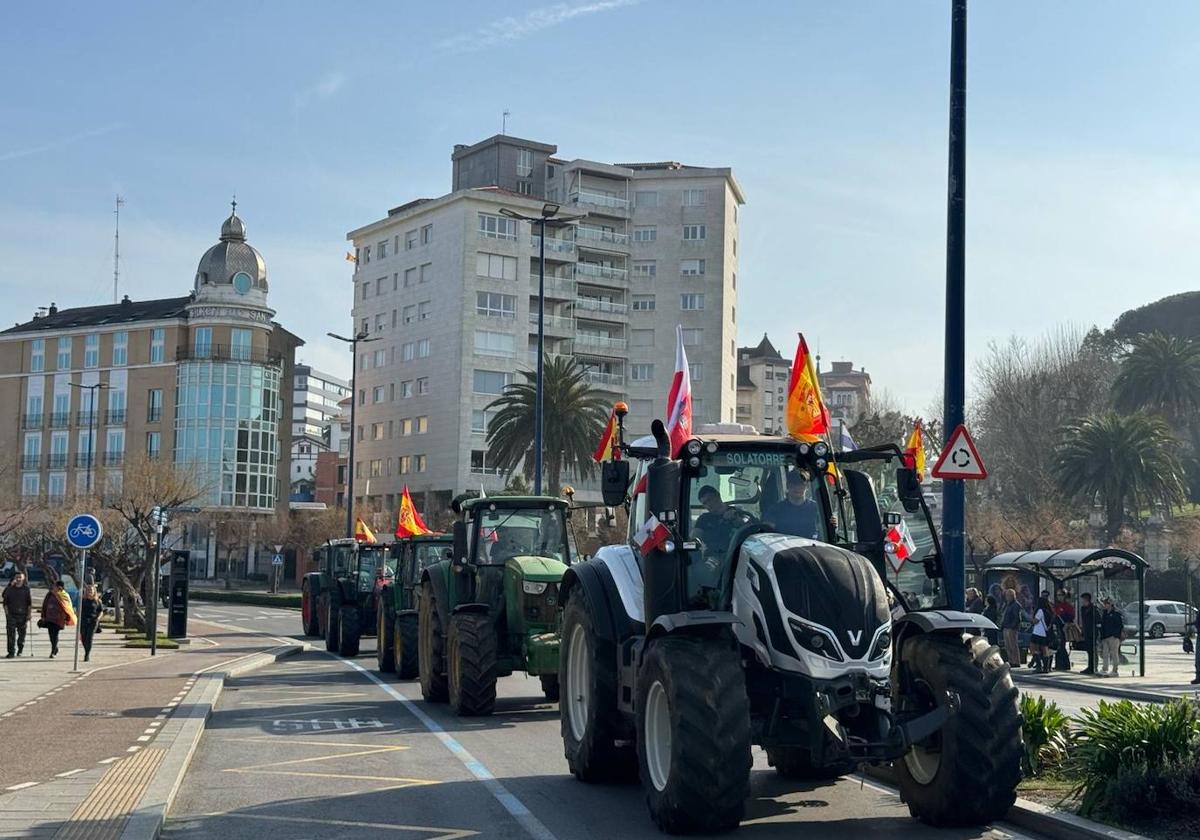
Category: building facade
<point>316,398</point>
<point>763,376</point>
<point>847,391</point>
<point>449,288</point>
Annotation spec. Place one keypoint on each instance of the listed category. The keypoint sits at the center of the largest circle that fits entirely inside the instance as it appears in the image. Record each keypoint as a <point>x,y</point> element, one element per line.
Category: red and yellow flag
<point>807,417</point>
<point>607,448</point>
<point>914,450</point>
<point>409,523</point>
<point>351,258</point>
<point>362,533</point>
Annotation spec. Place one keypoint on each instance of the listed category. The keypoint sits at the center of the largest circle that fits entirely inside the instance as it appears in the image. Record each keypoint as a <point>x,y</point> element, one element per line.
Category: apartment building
<point>448,287</point>
<point>763,376</point>
<point>847,391</point>
<point>316,398</point>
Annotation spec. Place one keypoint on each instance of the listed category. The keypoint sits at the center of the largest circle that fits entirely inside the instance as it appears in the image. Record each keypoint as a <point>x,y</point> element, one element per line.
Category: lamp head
<point>549,210</point>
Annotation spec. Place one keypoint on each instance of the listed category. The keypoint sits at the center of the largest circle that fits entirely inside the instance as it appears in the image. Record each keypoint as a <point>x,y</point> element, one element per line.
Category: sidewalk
<point>1169,672</point>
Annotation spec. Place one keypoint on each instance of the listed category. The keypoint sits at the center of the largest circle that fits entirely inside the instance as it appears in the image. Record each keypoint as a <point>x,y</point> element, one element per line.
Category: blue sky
<point>1083,189</point>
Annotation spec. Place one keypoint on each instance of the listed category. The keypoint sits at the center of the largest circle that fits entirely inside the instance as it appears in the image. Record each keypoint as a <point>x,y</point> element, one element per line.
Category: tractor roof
<point>438,537</point>
<point>511,502</point>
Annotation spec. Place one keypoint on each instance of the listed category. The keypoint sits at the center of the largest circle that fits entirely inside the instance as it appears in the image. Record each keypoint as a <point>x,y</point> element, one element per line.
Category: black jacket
<point>18,602</point>
<point>1010,618</point>
<point>1111,624</point>
<point>1088,621</point>
<point>975,605</point>
<point>90,611</point>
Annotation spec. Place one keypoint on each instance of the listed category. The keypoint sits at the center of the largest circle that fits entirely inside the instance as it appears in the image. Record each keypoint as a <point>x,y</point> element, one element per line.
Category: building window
<point>202,342</point>
<point>491,381</point>
<point>380,358</point>
<point>407,351</point>
<point>410,277</point>
<point>57,487</point>
<point>645,269</point>
<point>29,485</point>
<point>64,353</point>
<point>423,310</point>
<point>524,163</point>
<point>691,268</point>
<point>410,313</point>
<point>693,336</point>
<point>423,348</point>
<point>645,198</point>
<point>239,345</point>
<point>366,254</point>
<point>158,342</point>
<point>116,406</point>
<point>422,424</point>
<point>496,266</point>
<point>379,324</point>
<point>420,463</point>
<point>426,234</point>
<point>422,386</point>
<point>480,420</point>
<point>426,272</point>
<point>377,396</point>
<point>58,450</point>
<point>410,240</point>
<point>735,279</point>
<point>525,187</point>
<point>495,305</point>
<point>642,338</point>
<point>645,233</point>
<point>641,372</point>
<point>643,303</point>
<point>154,405</point>
<point>695,198</point>
<point>497,227</point>
<point>393,319</point>
<point>37,355</point>
<point>406,390</point>
<point>381,249</point>
<point>32,458</point>
<point>377,431</point>
<point>694,233</point>
<point>549,171</point>
<point>488,343</point>
<point>114,447</point>
<point>366,289</point>
<point>696,371</point>
<point>405,464</point>
<point>691,301</point>
<point>406,427</point>
<point>91,350</point>
<point>479,463</point>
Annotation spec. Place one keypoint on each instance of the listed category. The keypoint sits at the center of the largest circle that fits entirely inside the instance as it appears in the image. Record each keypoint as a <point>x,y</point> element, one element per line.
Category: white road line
<point>109,760</point>
<point>143,738</point>
<point>21,786</point>
<point>133,749</point>
<point>69,773</point>
<point>154,725</point>
<point>160,717</point>
<point>533,826</point>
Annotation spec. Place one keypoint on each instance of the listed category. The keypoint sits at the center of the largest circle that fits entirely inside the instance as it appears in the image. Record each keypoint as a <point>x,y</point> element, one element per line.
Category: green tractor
<point>492,609</point>
<point>343,591</point>
<point>396,608</point>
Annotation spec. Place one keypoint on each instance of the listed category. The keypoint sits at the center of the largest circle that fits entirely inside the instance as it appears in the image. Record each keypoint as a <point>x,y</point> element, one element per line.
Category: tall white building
<point>315,399</point>
<point>449,287</point>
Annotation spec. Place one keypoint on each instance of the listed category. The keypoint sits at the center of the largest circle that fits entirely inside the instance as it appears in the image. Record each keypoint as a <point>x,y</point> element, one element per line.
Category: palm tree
<point>1123,461</point>
<point>575,415</point>
<point>1161,373</point>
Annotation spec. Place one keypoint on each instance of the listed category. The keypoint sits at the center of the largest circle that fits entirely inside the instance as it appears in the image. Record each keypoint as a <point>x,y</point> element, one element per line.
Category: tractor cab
<point>350,574</point>
<point>396,601</point>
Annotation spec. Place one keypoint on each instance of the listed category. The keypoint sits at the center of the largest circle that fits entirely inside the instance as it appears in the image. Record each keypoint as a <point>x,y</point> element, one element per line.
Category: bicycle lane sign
<point>84,530</point>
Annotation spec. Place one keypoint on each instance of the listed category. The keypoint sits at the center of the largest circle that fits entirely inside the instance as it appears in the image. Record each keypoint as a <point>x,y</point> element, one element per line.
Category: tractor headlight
<point>815,640</point>
<point>821,450</point>
<point>533,587</point>
<point>694,462</point>
<point>693,447</point>
<point>883,643</point>
<point>804,449</point>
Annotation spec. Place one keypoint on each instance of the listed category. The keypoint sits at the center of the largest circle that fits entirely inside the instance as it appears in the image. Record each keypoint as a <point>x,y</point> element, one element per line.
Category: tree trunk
<point>1114,518</point>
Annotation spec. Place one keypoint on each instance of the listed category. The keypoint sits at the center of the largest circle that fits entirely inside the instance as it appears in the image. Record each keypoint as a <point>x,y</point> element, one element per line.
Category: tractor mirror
<point>614,482</point>
<point>908,487</point>
<point>662,486</point>
<point>460,542</point>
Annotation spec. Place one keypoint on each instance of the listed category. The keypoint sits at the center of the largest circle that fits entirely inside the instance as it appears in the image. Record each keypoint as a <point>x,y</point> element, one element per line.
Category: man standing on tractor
<point>796,513</point>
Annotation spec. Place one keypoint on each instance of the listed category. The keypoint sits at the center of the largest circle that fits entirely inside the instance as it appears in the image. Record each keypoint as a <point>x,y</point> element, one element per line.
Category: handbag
<point>41,622</point>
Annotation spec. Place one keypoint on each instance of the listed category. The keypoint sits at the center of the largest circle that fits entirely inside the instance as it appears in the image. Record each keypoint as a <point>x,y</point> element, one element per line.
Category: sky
<point>1083,182</point>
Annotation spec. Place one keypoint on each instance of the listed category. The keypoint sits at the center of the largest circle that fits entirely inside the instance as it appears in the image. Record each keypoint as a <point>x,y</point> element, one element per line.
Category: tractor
<point>758,602</point>
<point>492,608</point>
<point>338,601</point>
<point>396,651</point>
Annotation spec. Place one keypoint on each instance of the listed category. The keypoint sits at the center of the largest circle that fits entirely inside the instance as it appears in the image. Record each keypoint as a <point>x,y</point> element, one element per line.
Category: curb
<point>150,813</point>
<point>1035,817</point>
<point>1102,690</point>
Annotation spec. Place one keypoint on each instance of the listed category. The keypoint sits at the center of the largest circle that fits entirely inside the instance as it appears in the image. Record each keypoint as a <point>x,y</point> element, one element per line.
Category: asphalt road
<point>314,748</point>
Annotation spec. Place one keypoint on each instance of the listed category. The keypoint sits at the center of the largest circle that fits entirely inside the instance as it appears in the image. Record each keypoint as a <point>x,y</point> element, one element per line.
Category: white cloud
<point>324,88</point>
<point>515,28</point>
<point>60,143</point>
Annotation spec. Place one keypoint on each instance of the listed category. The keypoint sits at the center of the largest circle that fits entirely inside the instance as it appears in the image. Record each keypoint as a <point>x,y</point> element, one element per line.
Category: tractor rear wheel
<point>308,612</point>
<point>472,667</point>
<point>693,734</point>
<point>965,774</point>
<point>385,652</point>
<point>591,725</point>
<point>351,630</point>
<point>432,658</point>
<point>332,625</point>
<point>404,646</point>
<point>549,687</point>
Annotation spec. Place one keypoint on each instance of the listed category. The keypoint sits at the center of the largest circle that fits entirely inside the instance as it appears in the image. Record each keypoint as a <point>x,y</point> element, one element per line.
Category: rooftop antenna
<point>117,249</point>
<point>504,121</point>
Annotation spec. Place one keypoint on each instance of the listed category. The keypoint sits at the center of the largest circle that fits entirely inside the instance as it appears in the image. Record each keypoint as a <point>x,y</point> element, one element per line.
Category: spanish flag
<point>914,450</point>
<point>409,522</point>
<point>807,417</point>
<point>351,258</point>
<point>362,533</point>
<point>607,449</point>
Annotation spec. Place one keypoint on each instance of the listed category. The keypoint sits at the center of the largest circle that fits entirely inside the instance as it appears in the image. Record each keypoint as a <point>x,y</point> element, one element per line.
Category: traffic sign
<point>960,458</point>
<point>84,530</point>
<point>277,560</point>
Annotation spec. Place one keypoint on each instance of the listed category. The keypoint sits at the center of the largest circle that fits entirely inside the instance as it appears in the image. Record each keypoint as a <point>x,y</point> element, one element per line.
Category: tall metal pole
<point>117,249</point>
<point>953,501</point>
<point>350,462</point>
<point>538,415</point>
<point>79,618</point>
<point>152,613</point>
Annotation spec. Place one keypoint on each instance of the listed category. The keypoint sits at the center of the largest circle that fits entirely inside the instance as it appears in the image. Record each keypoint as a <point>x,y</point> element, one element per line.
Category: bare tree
<point>232,533</point>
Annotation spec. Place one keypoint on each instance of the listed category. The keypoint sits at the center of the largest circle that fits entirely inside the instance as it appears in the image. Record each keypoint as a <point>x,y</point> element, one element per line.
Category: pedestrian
<point>1088,622</point>
<point>57,613</point>
<point>1039,637</point>
<point>1196,626</point>
<point>991,611</point>
<point>90,610</point>
<point>18,603</point>
<point>974,602</point>
<point>1111,625</point>
<point>1064,623</point>
<point>1010,624</point>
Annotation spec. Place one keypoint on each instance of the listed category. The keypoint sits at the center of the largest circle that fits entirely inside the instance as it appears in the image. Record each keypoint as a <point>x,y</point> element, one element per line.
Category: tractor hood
<point>537,568</point>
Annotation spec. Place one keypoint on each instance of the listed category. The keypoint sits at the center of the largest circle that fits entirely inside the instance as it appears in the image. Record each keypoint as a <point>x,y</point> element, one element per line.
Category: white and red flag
<point>651,535</point>
<point>679,399</point>
<point>899,545</point>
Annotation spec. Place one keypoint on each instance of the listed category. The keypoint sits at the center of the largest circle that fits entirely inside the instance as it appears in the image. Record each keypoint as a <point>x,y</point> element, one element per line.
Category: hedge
<point>258,599</point>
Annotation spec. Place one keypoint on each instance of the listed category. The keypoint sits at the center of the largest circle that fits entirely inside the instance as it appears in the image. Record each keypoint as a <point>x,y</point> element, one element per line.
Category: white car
<point>1162,617</point>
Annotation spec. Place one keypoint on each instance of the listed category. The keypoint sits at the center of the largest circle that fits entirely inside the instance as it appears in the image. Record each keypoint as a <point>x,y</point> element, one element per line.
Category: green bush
<point>1131,746</point>
<point>1047,734</point>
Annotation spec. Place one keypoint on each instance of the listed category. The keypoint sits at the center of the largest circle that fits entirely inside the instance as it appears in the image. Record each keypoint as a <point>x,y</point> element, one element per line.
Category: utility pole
<point>117,250</point>
<point>953,491</point>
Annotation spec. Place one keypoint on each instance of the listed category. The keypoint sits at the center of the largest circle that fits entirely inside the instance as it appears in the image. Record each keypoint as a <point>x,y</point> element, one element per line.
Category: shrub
<point>1047,734</point>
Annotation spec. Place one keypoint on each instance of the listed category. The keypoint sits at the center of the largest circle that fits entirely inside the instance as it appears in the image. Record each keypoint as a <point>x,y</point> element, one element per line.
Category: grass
<point>257,599</point>
<point>139,640</point>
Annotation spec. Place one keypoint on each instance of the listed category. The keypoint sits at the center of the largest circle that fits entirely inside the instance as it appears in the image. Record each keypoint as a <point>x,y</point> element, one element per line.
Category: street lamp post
<point>549,215</point>
<point>353,342</point>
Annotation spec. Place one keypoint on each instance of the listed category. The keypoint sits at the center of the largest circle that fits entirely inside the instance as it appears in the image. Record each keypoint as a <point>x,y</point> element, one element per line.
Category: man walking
<point>18,603</point>
<point>1196,626</point>
<point>1111,625</point>
<point>1010,623</point>
<point>1087,629</point>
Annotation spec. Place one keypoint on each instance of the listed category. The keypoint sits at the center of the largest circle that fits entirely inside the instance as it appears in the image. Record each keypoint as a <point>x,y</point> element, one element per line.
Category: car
<point>1162,617</point>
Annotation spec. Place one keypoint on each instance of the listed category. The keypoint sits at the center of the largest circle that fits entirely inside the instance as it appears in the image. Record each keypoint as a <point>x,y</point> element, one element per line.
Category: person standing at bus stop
<point>18,603</point>
<point>1010,624</point>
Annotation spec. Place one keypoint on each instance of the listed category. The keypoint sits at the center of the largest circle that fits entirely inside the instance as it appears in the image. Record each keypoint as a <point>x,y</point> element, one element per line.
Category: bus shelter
<point>1103,572</point>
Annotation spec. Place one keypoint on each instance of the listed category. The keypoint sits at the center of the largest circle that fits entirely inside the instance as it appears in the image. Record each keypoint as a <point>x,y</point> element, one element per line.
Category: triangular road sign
<point>960,458</point>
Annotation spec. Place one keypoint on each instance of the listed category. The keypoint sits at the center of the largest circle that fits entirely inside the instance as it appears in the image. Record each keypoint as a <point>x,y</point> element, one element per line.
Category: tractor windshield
<point>428,554</point>
<point>374,562</point>
<point>521,532</point>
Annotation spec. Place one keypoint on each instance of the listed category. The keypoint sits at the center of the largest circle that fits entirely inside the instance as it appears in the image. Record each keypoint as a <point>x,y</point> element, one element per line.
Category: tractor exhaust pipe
<point>663,583</point>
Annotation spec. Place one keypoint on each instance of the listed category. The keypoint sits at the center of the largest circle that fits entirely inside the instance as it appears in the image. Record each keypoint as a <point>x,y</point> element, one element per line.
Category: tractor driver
<point>796,513</point>
<point>506,547</point>
<point>716,527</point>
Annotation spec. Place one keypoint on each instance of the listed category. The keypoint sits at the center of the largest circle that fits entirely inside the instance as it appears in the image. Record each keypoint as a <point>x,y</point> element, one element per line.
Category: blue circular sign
<point>84,530</point>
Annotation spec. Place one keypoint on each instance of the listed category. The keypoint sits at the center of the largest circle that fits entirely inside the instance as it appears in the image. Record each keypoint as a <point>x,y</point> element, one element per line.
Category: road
<point>318,747</point>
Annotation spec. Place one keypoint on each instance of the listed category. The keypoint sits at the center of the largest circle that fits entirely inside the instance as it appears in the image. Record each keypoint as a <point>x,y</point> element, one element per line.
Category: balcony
<point>56,460</point>
<point>600,200</point>
<point>32,421</point>
<point>84,459</point>
<point>601,272</point>
<point>226,353</point>
<point>609,380</point>
<point>56,499</point>
<point>115,417</point>
<point>601,237</point>
<point>600,342</point>
<point>86,418</point>
<point>553,246</point>
<point>60,420</point>
<point>558,287</point>
<point>31,462</point>
<point>30,499</point>
<point>590,307</point>
<point>555,324</point>
<point>114,459</point>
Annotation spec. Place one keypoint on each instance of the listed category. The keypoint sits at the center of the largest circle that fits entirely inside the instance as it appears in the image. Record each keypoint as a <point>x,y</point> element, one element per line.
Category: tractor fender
<point>695,622</point>
<point>593,580</point>
<point>313,581</point>
<point>471,608</point>
<point>436,575</point>
<point>938,621</point>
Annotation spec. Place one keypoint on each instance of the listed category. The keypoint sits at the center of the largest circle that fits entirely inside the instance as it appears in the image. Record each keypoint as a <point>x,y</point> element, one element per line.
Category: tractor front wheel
<point>332,625</point>
<point>350,632</point>
<point>405,646</point>
<point>432,659</point>
<point>385,652</point>
<point>308,612</point>
<point>472,664</point>
<point>965,774</point>
<point>693,734</point>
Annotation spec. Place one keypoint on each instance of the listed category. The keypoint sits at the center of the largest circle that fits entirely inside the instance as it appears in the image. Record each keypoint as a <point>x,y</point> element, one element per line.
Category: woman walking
<point>90,610</point>
<point>1039,636</point>
<point>991,611</point>
<point>57,613</point>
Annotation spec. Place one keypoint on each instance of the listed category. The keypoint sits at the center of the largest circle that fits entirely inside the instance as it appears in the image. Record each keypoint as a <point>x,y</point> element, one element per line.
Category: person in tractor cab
<point>796,513</point>
<point>507,546</point>
<point>716,527</point>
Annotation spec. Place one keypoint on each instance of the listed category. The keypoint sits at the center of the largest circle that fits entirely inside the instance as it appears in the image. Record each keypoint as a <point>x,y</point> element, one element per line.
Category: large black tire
<point>308,612</point>
<point>472,666</point>
<point>385,651</point>
<point>432,646</point>
<point>549,687</point>
<point>332,627</point>
<point>591,725</point>
<point>405,644</point>
<point>693,734</point>
<point>967,773</point>
<point>796,763</point>
<point>351,630</point>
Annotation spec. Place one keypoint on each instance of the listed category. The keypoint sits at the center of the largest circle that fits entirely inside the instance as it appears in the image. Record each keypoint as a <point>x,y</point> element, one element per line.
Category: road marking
<point>69,773</point>
<point>109,760</point>
<point>532,825</point>
<point>143,738</point>
<point>133,749</point>
<point>21,786</point>
<point>441,833</point>
<point>154,725</point>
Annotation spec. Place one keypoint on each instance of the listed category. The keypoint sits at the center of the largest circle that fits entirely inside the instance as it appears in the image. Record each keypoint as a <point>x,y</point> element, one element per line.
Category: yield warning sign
<point>960,458</point>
